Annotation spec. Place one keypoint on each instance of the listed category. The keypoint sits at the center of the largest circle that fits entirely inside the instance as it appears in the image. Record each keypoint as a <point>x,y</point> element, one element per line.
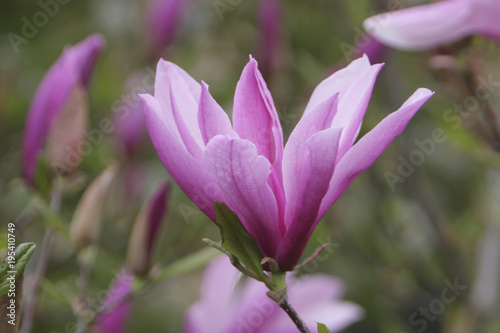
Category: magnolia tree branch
<point>43,261</point>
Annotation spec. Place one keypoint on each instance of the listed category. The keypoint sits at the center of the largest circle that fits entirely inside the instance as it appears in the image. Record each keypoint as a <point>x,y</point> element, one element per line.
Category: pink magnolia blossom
<point>73,68</point>
<point>226,308</point>
<point>432,25</point>
<point>279,193</point>
<point>118,307</point>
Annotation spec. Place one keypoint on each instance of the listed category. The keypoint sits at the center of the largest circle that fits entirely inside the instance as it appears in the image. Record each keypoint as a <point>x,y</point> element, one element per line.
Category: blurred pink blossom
<point>224,307</point>
<point>116,304</point>
<point>432,25</point>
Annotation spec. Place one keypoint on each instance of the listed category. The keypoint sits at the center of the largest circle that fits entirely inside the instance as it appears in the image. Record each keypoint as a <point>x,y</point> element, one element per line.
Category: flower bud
<point>59,105</point>
<point>84,228</point>
<point>145,230</point>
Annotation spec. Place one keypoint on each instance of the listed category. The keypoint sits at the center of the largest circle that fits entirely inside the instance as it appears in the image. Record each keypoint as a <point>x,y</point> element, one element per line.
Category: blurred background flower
<point>58,112</point>
<point>427,26</point>
<point>228,304</point>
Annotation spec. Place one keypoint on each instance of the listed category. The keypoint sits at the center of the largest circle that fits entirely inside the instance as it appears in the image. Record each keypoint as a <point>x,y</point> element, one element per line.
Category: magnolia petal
<point>293,158</point>
<point>167,75</point>
<point>185,133</point>
<point>212,119</point>
<point>255,119</point>
<point>242,175</point>
<point>85,55</point>
<point>67,132</point>
<point>254,115</point>
<point>428,26</point>
<point>364,153</point>
<point>352,107</point>
<point>317,173</point>
<point>186,171</point>
<point>338,82</point>
<point>185,101</point>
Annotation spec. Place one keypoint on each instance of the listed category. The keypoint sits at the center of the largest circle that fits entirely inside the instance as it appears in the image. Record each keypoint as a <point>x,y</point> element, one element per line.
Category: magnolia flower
<point>279,193</point>
<point>226,308</point>
<point>62,89</point>
<point>432,25</point>
<point>163,18</point>
<point>116,306</point>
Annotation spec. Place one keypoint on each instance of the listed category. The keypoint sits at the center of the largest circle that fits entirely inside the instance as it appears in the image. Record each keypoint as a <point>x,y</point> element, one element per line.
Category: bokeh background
<point>396,244</point>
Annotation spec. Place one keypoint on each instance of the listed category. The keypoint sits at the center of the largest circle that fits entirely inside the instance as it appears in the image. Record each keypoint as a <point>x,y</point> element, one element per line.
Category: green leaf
<point>237,240</point>
<point>7,269</point>
<point>323,329</point>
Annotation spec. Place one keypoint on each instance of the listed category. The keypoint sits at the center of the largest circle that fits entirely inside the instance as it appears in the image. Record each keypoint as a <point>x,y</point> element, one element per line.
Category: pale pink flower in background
<point>224,307</point>
<point>428,26</point>
<point>117,304</point>
<point>71,71</point>
<point>279,193</point>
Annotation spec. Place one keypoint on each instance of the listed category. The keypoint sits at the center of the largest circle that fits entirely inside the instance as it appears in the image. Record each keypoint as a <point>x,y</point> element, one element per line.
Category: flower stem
<point>281,298</point>
<point>43,261</point>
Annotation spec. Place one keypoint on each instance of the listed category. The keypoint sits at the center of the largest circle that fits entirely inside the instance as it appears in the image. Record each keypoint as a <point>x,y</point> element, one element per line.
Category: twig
<point>282,301</point>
